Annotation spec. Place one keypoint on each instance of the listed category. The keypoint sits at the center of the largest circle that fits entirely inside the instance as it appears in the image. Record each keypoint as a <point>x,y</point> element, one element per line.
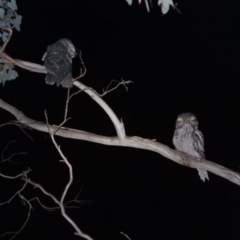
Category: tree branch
<point>116,122</point>
<point>41,69</point>
<point>17,176</point>
<point>23,64</point>
<point>134,142</point>
<point>122,139</point>
<point>80,233</point>
<point>125,235</point>
<point>9,159</point>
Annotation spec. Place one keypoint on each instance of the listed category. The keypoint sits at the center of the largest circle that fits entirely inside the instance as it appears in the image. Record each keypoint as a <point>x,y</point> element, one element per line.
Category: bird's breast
<point>183,141</point>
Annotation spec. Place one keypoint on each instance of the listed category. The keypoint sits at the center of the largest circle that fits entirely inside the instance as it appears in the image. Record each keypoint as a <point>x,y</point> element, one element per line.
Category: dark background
<point>178,63</point>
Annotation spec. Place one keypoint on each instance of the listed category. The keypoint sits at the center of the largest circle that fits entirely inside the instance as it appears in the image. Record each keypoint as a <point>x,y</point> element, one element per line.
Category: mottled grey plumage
<point>187,138</point>
<point>58,62</point>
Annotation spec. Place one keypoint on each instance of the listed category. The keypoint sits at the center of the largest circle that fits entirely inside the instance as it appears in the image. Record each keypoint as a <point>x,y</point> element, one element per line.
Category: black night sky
<point>185,62</point>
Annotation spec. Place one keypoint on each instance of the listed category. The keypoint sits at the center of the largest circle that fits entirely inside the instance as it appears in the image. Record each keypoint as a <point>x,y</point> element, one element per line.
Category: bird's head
<point>69,46</point>
<point>186,119</point>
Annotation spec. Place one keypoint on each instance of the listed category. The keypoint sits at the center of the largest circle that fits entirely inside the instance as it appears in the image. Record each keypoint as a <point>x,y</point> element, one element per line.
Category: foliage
<point>8,16</point>
<point>9,19</point>
<point>165,4</point>
<point>7,72</point>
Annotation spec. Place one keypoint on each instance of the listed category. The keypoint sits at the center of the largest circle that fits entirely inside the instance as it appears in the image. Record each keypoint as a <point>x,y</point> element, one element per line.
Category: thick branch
<point>41,69</point>
<point>121,140</point>
<point>23,64</point>
<point>134,142</point>
<point>118,125</point>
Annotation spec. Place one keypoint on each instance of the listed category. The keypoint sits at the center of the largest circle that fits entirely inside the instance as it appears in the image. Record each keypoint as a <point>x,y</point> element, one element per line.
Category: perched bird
<point>58,62</point>
<point>187,138</point>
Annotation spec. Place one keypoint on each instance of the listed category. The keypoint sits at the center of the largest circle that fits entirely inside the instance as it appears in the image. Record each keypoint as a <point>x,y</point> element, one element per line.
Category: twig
<point>24,224</point>
<point>125,235</point>
<point>42,205</point>
<point>75,199</point>
<point>36,185</point>
<point>20,125</point>
<point>79,232</point>
<point>7,147</point>
<point>17,176</point>
<point>15,194</point>
<point>64,160</point>
<point>24,174</point>
<point>12,155</point>
<point>51,208</point>
<point>66,107</point>
<point>61,202</point>
<point>60,125</point>
<point>124,83</point>
<point>82,73</point>
<point>68,100</point>
<point>175,7</point>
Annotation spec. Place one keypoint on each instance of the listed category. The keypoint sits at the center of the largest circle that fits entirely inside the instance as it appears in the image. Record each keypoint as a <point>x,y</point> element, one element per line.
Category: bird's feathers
<point>58,62</point>
<point>189,139</point>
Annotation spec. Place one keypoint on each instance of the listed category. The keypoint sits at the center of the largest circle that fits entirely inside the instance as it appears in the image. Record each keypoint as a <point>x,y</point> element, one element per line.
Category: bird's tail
<point>203,174</point>
<point>50,78</point>
<point>67,81</point>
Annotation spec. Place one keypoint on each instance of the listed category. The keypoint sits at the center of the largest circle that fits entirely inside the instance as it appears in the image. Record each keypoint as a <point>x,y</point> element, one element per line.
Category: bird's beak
<point>72,51</point>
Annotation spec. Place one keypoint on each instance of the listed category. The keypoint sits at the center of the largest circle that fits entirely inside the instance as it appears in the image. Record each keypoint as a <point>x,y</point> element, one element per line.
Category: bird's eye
<point>180,120</point>
<point>192,120</point>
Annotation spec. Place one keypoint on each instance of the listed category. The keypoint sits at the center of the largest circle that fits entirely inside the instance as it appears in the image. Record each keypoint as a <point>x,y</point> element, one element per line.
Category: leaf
<point>165,5</point>
<point>147,6</point>
<point>7,75</point>
<point>2,12</point>
<point>2,60</point>
<point>129,2</point>
<point>12,74</point>
<point>7,19</point>
<point>12,5</point>
<point>2,2</point>
<point>5,36</point>
<point>2,24</point>
<point>17,21</point>
<point>7,66</point>
<point>3,76</point>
